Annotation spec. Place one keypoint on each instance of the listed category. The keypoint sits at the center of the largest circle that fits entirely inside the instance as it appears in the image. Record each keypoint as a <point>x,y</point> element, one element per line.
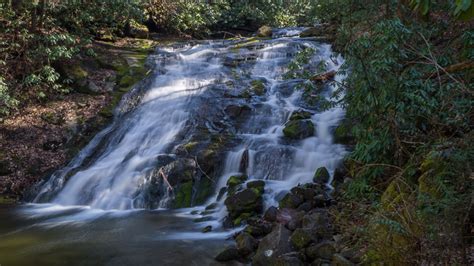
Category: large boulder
<point>246,201</point>
<point>273,246</point>
<point>299,129</point>
<point>235,181</point>
<point>179,171</point>
<point>339,260</point>
<point>246,244</point>
<point>301,238</point>
<point>264,31</point>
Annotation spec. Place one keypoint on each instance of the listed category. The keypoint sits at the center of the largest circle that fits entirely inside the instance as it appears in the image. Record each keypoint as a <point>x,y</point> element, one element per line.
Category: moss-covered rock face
<point>299,129</point>
<point>321,176</point>
<point>291,201</point>
<point>183,194</point>
<point>264,31</point>
<point>301,238</point>
<point>244,204</point>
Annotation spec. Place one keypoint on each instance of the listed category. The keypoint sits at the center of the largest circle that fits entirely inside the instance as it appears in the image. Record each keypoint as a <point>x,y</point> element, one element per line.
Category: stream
<point>112,204</point>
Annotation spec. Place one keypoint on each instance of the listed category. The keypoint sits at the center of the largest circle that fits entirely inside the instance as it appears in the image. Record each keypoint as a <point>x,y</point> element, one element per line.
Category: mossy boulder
<point>300,115</point>
<point>234,181</point>
<point>290,201</point>
<point>258,185</point>
<point>299,129</point>
<point>183,195</point>
<point>265,31</point>
<point>246,201</point>
<point>301,238</point>
<point>258,87</point>
<point>321,176</point>
<point>246,244</point>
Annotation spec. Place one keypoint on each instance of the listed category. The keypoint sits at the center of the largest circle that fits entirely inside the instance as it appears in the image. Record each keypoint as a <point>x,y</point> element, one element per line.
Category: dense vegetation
<point>408,95</point>
<point>409,103</point>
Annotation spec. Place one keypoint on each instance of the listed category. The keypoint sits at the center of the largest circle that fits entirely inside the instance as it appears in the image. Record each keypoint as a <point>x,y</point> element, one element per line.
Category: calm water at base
<point>54,235</point>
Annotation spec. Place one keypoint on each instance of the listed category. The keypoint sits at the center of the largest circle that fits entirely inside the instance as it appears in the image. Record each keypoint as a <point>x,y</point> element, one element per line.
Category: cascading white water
<point>280,163</point>
<point>135,141</point>
<point>131,151</point>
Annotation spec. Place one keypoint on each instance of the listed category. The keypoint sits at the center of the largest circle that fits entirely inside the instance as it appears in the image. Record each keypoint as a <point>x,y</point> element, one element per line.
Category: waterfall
<point>189,91</point>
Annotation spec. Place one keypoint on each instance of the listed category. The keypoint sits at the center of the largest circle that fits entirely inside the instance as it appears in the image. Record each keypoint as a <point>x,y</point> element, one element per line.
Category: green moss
<point>298,129</point>
<point>7,200</point>
<point>190,145</point>
<point>242,217</point>
<point>183,195</point>
<point>236,180</point>
<point>76,72</point>
<point>204,191</point>
<point>258,87</point>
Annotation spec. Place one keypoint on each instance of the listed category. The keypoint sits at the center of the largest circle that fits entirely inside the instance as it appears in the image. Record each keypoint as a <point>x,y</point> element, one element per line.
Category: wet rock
<point>290,200</point>
<point>244,162</point>
<point>271,214</point>
<point>323,250</point>
<point>258,185</point>
<point>339,260</point>
<point>221,193</point>
<point>245,201</point>
<point>264,31</point>
<point>228,254</point>
<point>299,129</point>
<point>234,181</point>
<point>272,246</point>
<point>237,111</point>
<point>258,87</point>
<point>211,206</point>
<point>321,176</point>
<point>300,115</point>
<point>180,170</point>
<point>207,229</point>
<point>203,219</point>
<point>258,229</point>
<point>301,238</point>
<point>246,244</point>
